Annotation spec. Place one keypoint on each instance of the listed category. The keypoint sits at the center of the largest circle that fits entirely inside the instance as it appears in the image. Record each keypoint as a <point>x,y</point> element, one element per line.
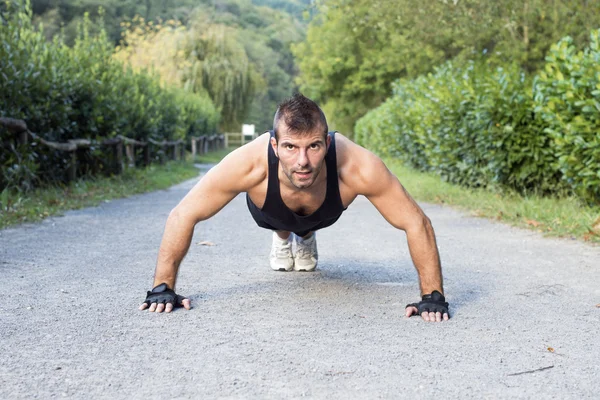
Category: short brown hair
<point>301,115</point>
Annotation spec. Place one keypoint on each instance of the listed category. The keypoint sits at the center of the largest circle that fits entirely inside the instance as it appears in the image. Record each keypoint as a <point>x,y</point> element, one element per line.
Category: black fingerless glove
<point>434,302</point>
<point>162,294</point>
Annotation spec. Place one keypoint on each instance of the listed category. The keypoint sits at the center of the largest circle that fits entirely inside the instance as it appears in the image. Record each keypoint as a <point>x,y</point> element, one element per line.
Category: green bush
<point>567,97</point>
<point>66,92</point>
<point>395,134</point>
<point>471,125</point>
<point>493,128</point>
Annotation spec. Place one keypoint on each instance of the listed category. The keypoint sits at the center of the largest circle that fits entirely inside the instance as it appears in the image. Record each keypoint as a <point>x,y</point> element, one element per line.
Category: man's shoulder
<point>356,165</point>
<point>351,155</point>
<point>246,166</point>
<point>253,153</point>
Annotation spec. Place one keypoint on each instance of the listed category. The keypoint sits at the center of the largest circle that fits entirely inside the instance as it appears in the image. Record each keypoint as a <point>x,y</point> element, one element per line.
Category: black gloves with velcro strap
<point>434,302</point>
<point>162,294</point>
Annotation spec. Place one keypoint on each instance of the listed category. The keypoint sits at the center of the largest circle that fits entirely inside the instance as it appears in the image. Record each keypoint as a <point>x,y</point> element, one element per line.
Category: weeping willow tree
<point>219,66</point>
<point>154,47</point>
<point>205,58</point>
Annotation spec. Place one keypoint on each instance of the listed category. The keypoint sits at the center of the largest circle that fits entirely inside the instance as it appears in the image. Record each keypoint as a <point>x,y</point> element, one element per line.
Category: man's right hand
<point>161,298</point>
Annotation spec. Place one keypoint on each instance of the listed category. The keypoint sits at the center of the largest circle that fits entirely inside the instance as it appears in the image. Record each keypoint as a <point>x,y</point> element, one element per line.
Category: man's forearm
<point>173,248</point>
<point>424,252</point>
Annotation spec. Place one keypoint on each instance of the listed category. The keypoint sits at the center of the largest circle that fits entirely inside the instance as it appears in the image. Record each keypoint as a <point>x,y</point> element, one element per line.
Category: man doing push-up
<point>299,178</point>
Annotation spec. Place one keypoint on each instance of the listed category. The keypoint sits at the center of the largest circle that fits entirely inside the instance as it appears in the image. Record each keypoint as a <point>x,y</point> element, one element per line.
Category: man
<point>299,178</point>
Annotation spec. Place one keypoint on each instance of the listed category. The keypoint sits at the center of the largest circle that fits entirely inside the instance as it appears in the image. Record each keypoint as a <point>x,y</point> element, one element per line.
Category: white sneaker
<point>306,256</point>
<point>281,257</point>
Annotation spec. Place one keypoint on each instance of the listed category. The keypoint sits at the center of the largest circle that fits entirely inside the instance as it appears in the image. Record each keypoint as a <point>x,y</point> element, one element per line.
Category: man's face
<point>301,156</point>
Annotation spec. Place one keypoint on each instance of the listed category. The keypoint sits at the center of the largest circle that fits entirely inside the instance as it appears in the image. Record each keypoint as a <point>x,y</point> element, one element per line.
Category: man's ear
<point>274,146</point>
<point>328,141</point>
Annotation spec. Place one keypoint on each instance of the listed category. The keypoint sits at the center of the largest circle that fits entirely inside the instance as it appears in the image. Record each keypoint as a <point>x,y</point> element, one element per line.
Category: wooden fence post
<point>119,156</point>
<point>130,152</point>
<point>147,154</point>
<point>175,151</point>
<point>163,156</point>
<point>22,138</point>
<point>193,139</point>
<point>72,173</point>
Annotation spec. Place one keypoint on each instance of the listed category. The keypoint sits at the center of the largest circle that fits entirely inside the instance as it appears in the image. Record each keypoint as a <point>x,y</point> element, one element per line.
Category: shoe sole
<point>293,269</point>
<point>282,269</point>
<point>305,269</point>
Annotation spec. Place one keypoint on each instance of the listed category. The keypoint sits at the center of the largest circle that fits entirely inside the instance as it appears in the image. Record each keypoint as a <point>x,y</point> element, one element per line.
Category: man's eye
<point>289,147</point>
<point>314,146</point>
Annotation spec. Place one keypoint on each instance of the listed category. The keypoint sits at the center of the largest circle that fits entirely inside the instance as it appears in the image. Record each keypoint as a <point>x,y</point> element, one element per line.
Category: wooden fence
<point>204,144</point>
<point>123,148</point>
<point>236,139</point>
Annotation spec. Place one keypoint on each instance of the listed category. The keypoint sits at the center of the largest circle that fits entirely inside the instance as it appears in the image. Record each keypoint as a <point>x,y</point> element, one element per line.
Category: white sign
<point>248,130</point>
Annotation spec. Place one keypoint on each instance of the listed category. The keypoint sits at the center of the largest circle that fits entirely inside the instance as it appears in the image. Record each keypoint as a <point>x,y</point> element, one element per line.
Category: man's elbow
<point>180,215</point>
<point>419,225</point>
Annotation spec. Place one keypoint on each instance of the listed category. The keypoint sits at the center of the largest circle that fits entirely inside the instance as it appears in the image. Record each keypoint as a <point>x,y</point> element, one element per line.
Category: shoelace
<point>303,249</point>
<point>284,250</point>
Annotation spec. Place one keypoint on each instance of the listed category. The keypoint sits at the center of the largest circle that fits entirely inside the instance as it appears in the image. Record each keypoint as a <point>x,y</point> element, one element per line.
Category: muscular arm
<point>384,191</point>
<point>201,203</point>
<point>236,173</point>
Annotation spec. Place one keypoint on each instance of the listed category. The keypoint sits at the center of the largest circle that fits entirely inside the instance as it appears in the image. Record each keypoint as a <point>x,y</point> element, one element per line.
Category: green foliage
<point>220,68</point>
<point>480,126</point>
<point>81,92</point>
<point>473,126</point>
<point>567,97</point>
<point>242,58</point>
<point>251,69</point>
<point>293,7</point>
<point>355,49</point>
<point>68,14</point>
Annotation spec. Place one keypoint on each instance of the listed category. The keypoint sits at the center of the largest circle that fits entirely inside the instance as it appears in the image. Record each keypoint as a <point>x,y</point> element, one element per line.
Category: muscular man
<point>299,178</point>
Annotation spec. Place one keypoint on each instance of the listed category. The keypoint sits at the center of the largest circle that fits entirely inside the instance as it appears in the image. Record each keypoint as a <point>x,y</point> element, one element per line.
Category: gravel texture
<point>524,317</point>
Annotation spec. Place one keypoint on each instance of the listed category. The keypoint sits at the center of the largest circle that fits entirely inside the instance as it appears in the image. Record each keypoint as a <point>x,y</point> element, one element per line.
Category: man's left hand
<point>433,307</point>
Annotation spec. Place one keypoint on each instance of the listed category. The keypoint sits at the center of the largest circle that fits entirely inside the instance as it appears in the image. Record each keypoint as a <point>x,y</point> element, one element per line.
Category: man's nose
<point>302,158</point>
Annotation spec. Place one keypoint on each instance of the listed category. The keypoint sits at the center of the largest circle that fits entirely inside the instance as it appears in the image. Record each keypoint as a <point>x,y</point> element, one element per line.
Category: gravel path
<point>525,322</point>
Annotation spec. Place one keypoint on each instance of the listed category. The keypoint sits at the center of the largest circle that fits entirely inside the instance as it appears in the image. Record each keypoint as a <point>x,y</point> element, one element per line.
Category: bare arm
<point>383,189</point>
<point>201,203</point>
<point>236,173</point>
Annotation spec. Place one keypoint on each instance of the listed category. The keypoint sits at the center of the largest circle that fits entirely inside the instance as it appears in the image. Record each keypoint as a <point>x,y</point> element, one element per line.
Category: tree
<point>219,66</point>
<point>218,45</point>
<point>355,49</point>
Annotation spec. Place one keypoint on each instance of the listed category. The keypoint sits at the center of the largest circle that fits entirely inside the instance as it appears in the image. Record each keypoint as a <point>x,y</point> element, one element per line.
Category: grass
<point>563,217</point>
<point>16,208</point>
<point>213,157</point>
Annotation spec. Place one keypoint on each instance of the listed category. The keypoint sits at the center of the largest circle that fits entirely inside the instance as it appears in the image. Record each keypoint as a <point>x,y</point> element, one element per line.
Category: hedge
<point>480,127</point>
<point>66,92</point>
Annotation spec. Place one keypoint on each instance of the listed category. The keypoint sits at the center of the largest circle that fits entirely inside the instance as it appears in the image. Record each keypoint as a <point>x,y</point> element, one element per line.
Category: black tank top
<point>276,215</point>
